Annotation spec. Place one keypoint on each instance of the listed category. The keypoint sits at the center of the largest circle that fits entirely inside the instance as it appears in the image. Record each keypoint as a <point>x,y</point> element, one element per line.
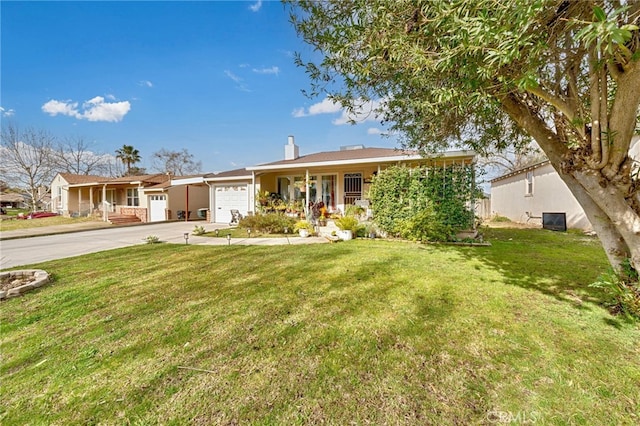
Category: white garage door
<point>230,197</point>
<point>157,206</point>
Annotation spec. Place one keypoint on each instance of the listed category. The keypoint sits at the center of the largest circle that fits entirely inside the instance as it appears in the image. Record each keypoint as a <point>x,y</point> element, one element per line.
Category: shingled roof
<point>74,179</point>
<point>84,180</point>
<point>355,156</point>
<point>229,174</point>
<point>343,155</point>
<point>155,179</point>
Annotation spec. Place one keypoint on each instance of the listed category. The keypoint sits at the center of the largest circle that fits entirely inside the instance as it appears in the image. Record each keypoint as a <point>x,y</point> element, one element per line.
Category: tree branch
<point>560,104</point>
<point>534,125</point>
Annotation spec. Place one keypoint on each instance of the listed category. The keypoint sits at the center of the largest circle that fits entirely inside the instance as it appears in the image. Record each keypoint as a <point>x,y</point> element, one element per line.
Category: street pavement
<point>34,245</point>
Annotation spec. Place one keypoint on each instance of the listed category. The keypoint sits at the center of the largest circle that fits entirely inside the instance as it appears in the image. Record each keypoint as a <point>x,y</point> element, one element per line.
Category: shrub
<point>198,230</point>
<point>152,239</point>
<point>354,210</point>
<point>623,288</point>
<point>426,226</point>
<point>348,223</point>
<point>425,203</point>
<point>303,224</point>
<point>270,223</point>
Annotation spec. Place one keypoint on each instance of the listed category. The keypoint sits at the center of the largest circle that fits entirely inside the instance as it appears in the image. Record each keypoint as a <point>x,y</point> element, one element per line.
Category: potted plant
<point>370,231</point>
<point>348,226</point>
<point>323,215</point>
<point>263,198</point>
<point>304,228</point>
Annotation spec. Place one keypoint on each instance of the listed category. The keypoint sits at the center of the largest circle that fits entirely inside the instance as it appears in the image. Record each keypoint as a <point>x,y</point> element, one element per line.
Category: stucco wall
<point>198,199</point>
<point>73,201</point>
<point>550,195</point>
<point>59,203</point>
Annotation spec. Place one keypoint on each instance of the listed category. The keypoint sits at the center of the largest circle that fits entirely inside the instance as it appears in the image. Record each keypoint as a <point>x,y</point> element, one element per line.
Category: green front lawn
<point>13,224</point>
<point>364,332</point>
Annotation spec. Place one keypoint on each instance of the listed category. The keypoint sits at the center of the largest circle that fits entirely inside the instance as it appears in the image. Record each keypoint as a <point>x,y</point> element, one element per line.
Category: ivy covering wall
<point>428,203</point>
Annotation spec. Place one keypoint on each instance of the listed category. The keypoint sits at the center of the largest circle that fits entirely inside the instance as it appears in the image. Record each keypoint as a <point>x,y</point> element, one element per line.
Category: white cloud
<point>7,112</point>
<point>256,6</point>
<point>111,97</point>
<point>298,112</point>
<point>232,76</point>
<point>366,111</point>
<point>54,108</point>
<point>95,109</point>
<point>374,131</point>
<point>145,83</point>
<point>237,80</point>
<point>273,70</point>
<point>326,106</point>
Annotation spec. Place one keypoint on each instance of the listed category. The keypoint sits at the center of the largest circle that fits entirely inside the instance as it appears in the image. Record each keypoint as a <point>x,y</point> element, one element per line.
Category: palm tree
<point>129,155</point>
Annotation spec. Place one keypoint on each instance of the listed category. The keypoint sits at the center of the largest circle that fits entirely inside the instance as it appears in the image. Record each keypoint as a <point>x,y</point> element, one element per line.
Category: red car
<point>38,215</point>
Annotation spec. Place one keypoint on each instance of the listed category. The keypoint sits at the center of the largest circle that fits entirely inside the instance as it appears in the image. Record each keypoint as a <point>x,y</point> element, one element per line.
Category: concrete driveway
<point>24,251</point>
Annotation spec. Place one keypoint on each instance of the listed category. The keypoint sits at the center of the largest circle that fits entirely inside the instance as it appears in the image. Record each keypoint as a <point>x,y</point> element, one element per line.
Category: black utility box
<point>554,221</point>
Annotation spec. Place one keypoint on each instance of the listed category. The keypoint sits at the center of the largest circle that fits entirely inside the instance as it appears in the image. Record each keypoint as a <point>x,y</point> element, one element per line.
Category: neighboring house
<point>150,198</point>
<point>12,200</point>
<point>337,178</point>
<point>524,195</point>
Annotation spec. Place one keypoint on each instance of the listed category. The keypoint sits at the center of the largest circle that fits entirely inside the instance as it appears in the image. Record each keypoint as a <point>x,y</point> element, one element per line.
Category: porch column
<point>79,201</point>
<point>306,183</point>
<point>186,212</point>
<point>105,215</point>
<point>90,201</point>
<point>252,196</point>
<point>140,205</point>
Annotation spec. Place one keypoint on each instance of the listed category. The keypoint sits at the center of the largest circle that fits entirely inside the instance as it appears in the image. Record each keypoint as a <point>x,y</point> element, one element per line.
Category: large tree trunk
<point>603,199</point>
<point>613,242</point>
<point>619,213</point>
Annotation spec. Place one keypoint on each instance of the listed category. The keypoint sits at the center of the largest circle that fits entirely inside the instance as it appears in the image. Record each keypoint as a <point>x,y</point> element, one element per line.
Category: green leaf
<point>599,14</point>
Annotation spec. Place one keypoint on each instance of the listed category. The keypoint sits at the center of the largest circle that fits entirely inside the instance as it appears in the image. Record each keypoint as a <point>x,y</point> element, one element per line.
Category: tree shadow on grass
<point>560,265</point>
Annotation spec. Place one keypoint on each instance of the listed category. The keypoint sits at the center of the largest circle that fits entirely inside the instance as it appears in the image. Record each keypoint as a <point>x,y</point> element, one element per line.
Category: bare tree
<point>72,155</point>
<point>512,159</point>
<point>27,161</point>
<point>178,163</point>
<point>116,169</point>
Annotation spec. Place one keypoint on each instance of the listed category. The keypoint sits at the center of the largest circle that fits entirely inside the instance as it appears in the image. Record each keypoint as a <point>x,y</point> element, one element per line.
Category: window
<point>132,197</point>
<point>300,188</point>
<point>283,188</point>
<point>321,188</point>
<point>328,191</point>
<point>529,183</point>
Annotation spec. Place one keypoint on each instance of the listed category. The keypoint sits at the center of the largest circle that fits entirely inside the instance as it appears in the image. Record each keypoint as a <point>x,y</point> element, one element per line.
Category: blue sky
<point>214,77</point>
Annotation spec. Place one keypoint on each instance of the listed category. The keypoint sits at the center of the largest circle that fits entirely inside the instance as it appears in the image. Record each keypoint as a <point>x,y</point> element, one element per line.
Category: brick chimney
<point>291,150</point>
